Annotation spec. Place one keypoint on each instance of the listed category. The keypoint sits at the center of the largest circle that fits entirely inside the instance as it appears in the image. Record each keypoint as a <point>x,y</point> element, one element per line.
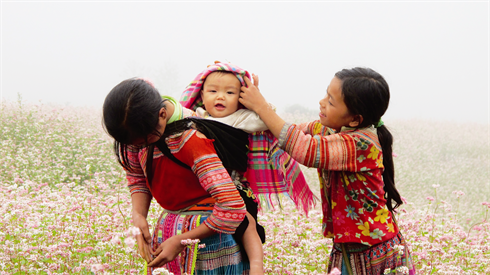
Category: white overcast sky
<point>434,55</point>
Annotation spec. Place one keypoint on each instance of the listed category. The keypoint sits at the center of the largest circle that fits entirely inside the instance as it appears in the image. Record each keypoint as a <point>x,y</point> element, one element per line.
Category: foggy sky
<point>434,55</point>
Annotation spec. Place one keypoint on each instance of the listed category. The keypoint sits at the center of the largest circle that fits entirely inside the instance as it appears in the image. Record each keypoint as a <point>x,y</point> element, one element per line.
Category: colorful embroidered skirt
<point>220,256</point>
<point>374,260</point>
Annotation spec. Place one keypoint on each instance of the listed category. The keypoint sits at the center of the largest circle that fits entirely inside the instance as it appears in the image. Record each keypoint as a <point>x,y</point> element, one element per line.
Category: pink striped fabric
<point>271,171</point>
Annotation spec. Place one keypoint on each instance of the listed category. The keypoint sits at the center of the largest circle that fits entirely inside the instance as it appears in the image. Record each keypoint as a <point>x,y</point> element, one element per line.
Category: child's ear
<point>356,121</point>
<point>162,113</point>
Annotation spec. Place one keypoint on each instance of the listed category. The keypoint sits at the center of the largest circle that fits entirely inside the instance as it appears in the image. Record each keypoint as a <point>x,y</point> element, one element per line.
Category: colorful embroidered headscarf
<point>271,171</point>
<point>191,98</point>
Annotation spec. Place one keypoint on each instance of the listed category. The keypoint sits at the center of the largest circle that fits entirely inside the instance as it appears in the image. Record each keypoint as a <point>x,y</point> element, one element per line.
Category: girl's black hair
<point>130,112</point>
<point>366,93</point>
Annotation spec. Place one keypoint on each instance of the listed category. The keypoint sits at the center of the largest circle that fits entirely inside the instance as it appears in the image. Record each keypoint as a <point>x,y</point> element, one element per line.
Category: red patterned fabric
<point>350,165</point>
<point>174,188</point>
<point>364,260</point>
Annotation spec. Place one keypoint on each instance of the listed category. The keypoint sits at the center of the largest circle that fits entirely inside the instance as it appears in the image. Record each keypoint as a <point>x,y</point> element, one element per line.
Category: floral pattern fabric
<point>350,166</point>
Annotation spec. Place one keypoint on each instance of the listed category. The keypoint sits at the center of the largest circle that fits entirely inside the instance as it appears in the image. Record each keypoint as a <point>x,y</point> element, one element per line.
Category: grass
<point>64,207</point>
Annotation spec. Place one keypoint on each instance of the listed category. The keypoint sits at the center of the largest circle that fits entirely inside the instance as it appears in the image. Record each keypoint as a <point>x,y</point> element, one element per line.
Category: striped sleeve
<point>229,210</point>
<point>136,176</point>
<point>332,152</point>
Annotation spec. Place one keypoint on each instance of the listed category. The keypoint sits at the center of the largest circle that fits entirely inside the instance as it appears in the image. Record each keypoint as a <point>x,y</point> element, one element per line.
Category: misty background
<point>434,55</point>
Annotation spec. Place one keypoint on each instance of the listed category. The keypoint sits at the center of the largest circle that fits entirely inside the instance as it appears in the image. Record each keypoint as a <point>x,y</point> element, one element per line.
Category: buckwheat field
<point>65,209</point>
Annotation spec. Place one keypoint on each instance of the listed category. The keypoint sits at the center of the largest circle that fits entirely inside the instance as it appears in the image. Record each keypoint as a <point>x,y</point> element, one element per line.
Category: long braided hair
<point>366,93</point>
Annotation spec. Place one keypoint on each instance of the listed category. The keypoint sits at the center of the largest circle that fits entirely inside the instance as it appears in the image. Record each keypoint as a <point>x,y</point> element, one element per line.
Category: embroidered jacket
<point>350,167</point>
<point>175,187</point>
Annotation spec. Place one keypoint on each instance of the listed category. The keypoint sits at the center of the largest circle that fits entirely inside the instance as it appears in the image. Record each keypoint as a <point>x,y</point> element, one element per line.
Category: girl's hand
<point>167,251</point>
<point>251,97</point>
<point>144,238</point>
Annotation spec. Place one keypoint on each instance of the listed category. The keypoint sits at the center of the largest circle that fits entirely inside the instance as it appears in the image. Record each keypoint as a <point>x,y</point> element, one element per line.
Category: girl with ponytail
<point>172,157</point>
<point>352,150</point>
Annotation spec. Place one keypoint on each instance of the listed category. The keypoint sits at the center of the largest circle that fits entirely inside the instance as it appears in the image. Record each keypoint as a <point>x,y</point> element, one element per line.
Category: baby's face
<point>220,94</point>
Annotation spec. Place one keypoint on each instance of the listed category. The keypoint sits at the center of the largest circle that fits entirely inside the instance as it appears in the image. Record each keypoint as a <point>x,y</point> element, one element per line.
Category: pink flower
<point>129,241</point>
<point>62,245</point>
<point>31,248</point>
<point>335,271</point>
<point>134,231</point>
<point>458,193</point>
<point>96,267</point>
<point>190,242</point>
<point>430,198</point>
<point>404,200</point>
<point>338,218</point>
<point>116,240</point>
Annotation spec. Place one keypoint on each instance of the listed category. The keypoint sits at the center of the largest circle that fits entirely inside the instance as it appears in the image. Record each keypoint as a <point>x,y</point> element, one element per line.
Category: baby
<point>214,94</point>
<point>217,98</point>
<point>220,94</point>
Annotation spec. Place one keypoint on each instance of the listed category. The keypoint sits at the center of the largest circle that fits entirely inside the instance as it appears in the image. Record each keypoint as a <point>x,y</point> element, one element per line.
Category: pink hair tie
<point>147,81</point>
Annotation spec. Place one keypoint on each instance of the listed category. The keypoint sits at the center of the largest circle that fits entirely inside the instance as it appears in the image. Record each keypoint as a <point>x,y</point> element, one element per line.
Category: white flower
<point>402,269</point>
<point>129,241</point>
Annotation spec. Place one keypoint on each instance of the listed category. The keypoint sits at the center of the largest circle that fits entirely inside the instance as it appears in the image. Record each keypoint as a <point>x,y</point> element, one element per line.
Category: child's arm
<point>251,98</point>
<point>229,209</point>
<point>141,203</point>
<point>313,128</point>
<point>333,152</point>
<point>172,246</point>
<point>136,176</point>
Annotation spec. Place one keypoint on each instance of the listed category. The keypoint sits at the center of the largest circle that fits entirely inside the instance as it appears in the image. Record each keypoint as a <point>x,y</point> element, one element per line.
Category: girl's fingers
<point>256,80</point>
<point>157,251</point>
<point>158,262</point>
<point>145,232</point>
<point>247,81</point>
<point>141,245</point>
<point>148,254</point>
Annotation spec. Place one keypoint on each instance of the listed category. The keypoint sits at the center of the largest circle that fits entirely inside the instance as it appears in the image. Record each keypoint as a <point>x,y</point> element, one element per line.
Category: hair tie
<point>148,81</point>
<point>379,124</point>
